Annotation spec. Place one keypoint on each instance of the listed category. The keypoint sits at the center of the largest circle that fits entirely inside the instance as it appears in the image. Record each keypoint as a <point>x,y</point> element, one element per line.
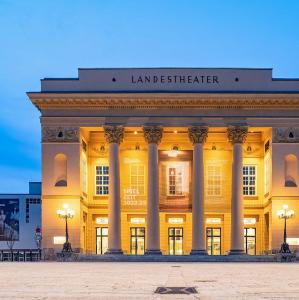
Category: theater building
<point>170,160</point>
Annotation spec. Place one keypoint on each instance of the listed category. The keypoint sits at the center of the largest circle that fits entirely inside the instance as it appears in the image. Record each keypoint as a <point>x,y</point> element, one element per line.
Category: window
<point>249,241</point>
<point>137,179</point>
<point>175,180</point>
<point>214,240</point>
<point>214,178</point>
<point>102,180</point>
<point>267,175</point>
<point>102,240</point>
<point>28,202</point>
<point>249,180</point>
<point>137,240</point>
<point>84,174</point>
<point>175,240</point>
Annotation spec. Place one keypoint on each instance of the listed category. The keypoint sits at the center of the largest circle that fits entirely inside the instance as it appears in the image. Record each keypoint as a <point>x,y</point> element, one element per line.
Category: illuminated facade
<point>171,161</point>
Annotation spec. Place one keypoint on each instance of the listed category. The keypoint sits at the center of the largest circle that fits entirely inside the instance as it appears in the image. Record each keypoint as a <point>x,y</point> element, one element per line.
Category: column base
<point>153,252</point>
<point>236,252</point>
<point>114,252</point>
<point>199,252</point>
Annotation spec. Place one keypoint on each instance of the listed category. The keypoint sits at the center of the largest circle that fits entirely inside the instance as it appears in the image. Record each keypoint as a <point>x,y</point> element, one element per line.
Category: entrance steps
<point>176,258</point>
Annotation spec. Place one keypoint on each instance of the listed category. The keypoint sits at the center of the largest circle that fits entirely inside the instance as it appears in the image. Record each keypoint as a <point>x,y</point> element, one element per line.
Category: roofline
<point>163,92</point>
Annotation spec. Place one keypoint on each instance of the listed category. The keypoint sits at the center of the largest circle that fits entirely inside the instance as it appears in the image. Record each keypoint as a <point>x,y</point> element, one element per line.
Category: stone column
<point>198,135</point>
<point>237,136</point>
<point>114,136</point>
<point>153,135</point>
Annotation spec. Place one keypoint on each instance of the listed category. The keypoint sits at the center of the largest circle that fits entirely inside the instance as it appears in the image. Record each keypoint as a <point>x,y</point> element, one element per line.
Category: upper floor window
<point>214,179</point>
<point>137,179</point>
<point>249,180</point>
<point>102,180</point>
<point>175,180</point>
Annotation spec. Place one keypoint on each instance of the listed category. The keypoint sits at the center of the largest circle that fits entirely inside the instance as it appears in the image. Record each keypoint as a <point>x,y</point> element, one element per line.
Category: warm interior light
<point>174,151</point>
<point>135,132</point>
<point>285,206</point>
<point>175,131</point>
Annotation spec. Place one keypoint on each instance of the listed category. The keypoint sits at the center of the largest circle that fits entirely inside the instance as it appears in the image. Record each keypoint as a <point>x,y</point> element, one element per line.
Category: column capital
<point>153,134</point>
<point>237,134</point>
<point>198,134</point>
<point>114,134</point>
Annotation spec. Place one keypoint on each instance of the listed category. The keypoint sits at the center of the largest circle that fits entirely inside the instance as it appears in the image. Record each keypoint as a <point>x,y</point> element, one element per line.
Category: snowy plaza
<point>114,280</point>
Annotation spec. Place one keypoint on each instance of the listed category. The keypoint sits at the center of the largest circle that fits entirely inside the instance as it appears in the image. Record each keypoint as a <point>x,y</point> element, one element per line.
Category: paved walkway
<point>108,280</point>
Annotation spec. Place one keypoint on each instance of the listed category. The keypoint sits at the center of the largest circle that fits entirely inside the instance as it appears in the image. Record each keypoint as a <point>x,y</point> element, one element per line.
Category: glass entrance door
<point>102,240</point>
<point>250,241</point>
<point>214,241</point>
<point>137,240</point>
<point>175,240</point>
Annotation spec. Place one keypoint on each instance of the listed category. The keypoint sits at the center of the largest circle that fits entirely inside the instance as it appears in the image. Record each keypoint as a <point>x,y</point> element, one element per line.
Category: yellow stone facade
<point>74,144</point>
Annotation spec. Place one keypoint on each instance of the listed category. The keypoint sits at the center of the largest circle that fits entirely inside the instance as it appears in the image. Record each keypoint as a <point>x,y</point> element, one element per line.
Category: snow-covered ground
<point>108,280</point>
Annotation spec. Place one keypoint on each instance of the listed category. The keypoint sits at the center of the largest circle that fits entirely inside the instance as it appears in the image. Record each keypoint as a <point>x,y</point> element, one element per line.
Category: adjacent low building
<point>20,217</point>
<point>172,161</point>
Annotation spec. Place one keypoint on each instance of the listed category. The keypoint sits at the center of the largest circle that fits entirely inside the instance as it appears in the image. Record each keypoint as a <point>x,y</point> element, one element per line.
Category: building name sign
<point>166,79</point>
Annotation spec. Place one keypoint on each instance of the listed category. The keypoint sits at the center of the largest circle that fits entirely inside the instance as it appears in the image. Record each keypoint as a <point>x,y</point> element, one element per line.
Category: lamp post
<point>285,213</point>
<point>66,213</point>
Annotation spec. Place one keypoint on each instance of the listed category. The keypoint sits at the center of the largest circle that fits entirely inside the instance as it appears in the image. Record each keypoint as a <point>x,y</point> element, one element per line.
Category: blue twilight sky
<point>53,38</point>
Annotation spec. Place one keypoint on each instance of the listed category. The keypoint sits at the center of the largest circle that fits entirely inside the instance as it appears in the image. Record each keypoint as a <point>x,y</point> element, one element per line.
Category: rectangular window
<point>175,180</point>
<point>137,240</point>
<point>249,180</point>
<point>214,179</point>
<point>175,240</point>
<point>102,180</point>
<point>250,241</point>
<point>137,179</point>
<point>213,240</point>
<point>102,240</point>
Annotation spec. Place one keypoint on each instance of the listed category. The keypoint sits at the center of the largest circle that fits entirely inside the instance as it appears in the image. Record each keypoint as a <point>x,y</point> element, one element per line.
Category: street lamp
<point>285,213</point>
<point>66,213</point>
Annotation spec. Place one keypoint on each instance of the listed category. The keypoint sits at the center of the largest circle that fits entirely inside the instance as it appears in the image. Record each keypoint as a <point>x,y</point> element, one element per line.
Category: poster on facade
<point>134,180</point>
<point>9,219</point>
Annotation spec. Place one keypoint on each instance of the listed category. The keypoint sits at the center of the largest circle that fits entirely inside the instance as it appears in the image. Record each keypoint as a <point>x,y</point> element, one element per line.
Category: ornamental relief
<point>153,134</point>
<point>198,134</point>
<point>114,134</point>
<point>237,134</point>
<point>60,134</point>
<point>285,135</point>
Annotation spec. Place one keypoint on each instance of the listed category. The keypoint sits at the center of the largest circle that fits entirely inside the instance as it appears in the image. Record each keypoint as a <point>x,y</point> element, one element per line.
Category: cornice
<point>163,100</point>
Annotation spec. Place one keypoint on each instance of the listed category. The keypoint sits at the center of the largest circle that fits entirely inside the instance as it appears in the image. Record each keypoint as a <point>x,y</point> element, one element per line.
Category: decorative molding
<point>165,100</point>
<point>60,134</point>
<point>114,134</point>
<point>153,134</point>
<point>237,134</point>
<point>198,134</point>
<point>285,135</point>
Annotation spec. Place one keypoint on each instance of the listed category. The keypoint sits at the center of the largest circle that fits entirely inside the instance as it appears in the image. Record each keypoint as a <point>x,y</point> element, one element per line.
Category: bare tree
<point>11,238</point>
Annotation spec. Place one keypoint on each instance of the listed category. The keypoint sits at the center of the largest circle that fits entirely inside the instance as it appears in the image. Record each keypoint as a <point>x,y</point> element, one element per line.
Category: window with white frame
<point>84,174</point>
<point>214,179</point>
<point>137,179</point>
<point>249,180</point>
<point>175,180</point>
<point>102,180</point>
<point>267,175</point>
